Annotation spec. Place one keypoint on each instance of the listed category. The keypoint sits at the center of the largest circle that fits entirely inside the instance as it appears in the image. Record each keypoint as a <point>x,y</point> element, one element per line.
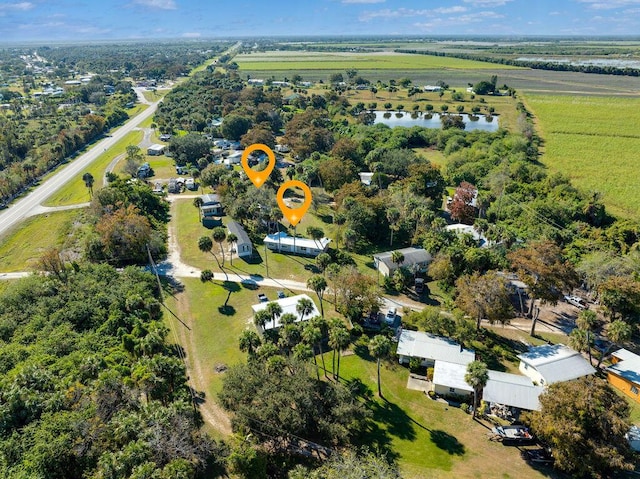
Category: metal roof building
<point>288,305</point>
<point>512,390</point>
<point>430,348</point>
<point>554,363</point>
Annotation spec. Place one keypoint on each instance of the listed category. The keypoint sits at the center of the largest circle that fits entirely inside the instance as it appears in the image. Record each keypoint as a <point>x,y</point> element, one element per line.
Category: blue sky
<point>59,20</point>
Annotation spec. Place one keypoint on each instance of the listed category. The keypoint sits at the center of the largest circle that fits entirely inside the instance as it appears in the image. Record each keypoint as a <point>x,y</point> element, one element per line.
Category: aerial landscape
<point>332,239</point>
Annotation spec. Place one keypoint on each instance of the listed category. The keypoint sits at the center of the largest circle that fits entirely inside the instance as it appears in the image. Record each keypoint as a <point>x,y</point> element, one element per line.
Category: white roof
<point>512,390</point>
<point>628,367</point>
<point>460,228</point>
<point>557,362</point>
<point>429,346</point>
<point>450,375</point>
<point>284,239</point>
<point>288,305</point>
<point>365,177</point>
<point>156,146</point>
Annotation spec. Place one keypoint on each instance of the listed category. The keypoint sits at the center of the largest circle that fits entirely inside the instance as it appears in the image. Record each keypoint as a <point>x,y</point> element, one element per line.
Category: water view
<point>425,120</point>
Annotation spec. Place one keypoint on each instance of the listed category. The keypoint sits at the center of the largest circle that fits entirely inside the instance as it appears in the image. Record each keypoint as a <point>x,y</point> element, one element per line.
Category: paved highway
<point>22,208</point>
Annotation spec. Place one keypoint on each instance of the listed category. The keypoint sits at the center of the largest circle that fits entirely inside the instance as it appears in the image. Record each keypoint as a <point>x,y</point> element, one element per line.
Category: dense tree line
<point>88,385</point>
<point>535,64</point>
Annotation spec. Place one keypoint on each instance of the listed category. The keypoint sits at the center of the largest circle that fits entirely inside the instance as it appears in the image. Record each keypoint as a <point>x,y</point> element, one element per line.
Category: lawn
<point>292,61</point>
<point>21,248</point>
<point>74,191</point>
<point>281,266</point>
<point>428,439</point>
<point>593,140</point>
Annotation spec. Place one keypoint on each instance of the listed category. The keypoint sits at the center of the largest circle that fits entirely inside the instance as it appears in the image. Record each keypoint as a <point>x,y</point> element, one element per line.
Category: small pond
<point>426,120</point>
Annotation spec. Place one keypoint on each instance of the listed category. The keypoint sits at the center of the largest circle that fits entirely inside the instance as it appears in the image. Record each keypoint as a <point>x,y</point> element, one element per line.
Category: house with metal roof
<point>624,373</point>
<point>512,390</point>
<point>288,305</point>
<point>282,243</point>
<point>243,246</point>
<point>448,378</point>
<point>553,363</point>
<point>416,259</point>
<point>431,348</point>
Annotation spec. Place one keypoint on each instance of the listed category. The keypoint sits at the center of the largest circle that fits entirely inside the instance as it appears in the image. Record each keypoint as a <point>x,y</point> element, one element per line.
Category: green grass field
<point>21,248</point>
<point>75,191</point>
<point>595,141</point>
<point>288,60</point>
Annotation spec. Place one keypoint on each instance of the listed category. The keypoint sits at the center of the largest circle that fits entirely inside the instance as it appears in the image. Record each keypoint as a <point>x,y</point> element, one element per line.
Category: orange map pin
<point>294,215</point>
<point>258,177</point>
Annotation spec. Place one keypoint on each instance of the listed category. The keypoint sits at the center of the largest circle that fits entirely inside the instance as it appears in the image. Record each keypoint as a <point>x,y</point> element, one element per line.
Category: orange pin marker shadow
<point>294,215</point>
<point>258,177</point>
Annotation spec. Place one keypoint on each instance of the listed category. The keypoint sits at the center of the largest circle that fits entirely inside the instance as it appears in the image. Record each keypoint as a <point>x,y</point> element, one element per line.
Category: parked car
<point>391,316</point>
<point>281,294</point>
<point>419,285</point>
<point>263,297</point>
<point>576,301</point>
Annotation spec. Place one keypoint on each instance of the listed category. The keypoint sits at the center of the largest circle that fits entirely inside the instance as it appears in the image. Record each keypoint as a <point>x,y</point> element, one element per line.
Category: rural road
<point>24,207</point>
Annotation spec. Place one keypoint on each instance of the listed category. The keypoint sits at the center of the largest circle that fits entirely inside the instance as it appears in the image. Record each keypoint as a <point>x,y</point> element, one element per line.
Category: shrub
<point>430,374</point>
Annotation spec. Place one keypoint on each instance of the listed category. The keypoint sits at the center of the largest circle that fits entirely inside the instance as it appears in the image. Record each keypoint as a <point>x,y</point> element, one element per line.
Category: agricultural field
<point>595,141</point>
<point>292,60</point>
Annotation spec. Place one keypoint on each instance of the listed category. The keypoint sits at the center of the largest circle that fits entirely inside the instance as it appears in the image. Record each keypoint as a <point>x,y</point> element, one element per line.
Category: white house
<point>462,229</point>
<point>553,363</point>
<point>234,158</point>
<point>282,243</point>
<point>243,244</point>
<point>512,390</point>
<point>156,149</point>
<point>448,378</point>
<point>288,305</point>
<point>255,81</point>
<point>432,88</point>
<point>365,177</point>
<point>431,348</point>
<point>413,258</point>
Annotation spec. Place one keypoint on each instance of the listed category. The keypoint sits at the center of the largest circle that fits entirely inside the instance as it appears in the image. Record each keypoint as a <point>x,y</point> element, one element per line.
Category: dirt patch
<point>211,412</point>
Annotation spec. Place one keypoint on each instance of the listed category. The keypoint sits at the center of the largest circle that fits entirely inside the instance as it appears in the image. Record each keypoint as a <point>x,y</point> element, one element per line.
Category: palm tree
<point>197,203</point>
<point>304,307</point>
<point>393,216</point>
<point>379,347</point>
<point>477,376</point>
<point>315,234</point>
<point>231,239</point>
<point>618,332</point>
<point>261,318</point>
<point>219,235</point>
<point>587,321</point>
<point>249,341</point>
<point>274,310</point>
<point>320,323</point>
<point>319,285</point>
<point>88,182</point>
<point>205,244</point>
<point>397,257</point>
<point>312,335</point>
<point>580,340</point>
<point>339,339</point>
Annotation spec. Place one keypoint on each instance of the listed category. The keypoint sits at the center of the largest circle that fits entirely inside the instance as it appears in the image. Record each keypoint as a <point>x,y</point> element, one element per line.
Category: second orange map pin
<point>258,177</point>
<point>294,215</point>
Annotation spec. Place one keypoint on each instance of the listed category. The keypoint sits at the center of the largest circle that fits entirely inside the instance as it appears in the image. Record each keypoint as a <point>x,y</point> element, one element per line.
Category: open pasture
<point>595,141</point>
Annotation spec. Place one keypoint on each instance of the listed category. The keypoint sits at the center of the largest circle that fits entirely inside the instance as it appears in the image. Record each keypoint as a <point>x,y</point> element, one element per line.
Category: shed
<point>553,363</point>
<point>414,258</point>
<point>243,245</point>
<point>431,348</point>
<point>156,149</point>
<point>512,390</point>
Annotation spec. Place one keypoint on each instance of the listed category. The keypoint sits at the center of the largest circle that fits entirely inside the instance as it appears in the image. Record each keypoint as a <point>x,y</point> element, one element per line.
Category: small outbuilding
<point>512,390</point>
<point>448,378</point>
<point>243,245</point>
<point>211,210</point>
<point>416,259</point>
<point>156,149</point>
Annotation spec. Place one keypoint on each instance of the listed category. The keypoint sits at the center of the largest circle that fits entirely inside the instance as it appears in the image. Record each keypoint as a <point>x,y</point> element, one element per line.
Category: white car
<point>576,301</point>
<point>391,316</point>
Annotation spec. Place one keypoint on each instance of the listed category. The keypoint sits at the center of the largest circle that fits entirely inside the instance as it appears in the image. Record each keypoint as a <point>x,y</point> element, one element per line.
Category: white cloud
<point>487,3</point>
<point>162,4</point>
<point>16,6</point>
<point>388,13</point>
<point>191,35</point>
<point>609,4</point>
<point>363,1</point>
<point>446,10</point>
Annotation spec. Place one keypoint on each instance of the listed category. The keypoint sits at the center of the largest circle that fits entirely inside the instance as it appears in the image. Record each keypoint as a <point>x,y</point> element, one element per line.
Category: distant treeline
<point>538,65</point>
